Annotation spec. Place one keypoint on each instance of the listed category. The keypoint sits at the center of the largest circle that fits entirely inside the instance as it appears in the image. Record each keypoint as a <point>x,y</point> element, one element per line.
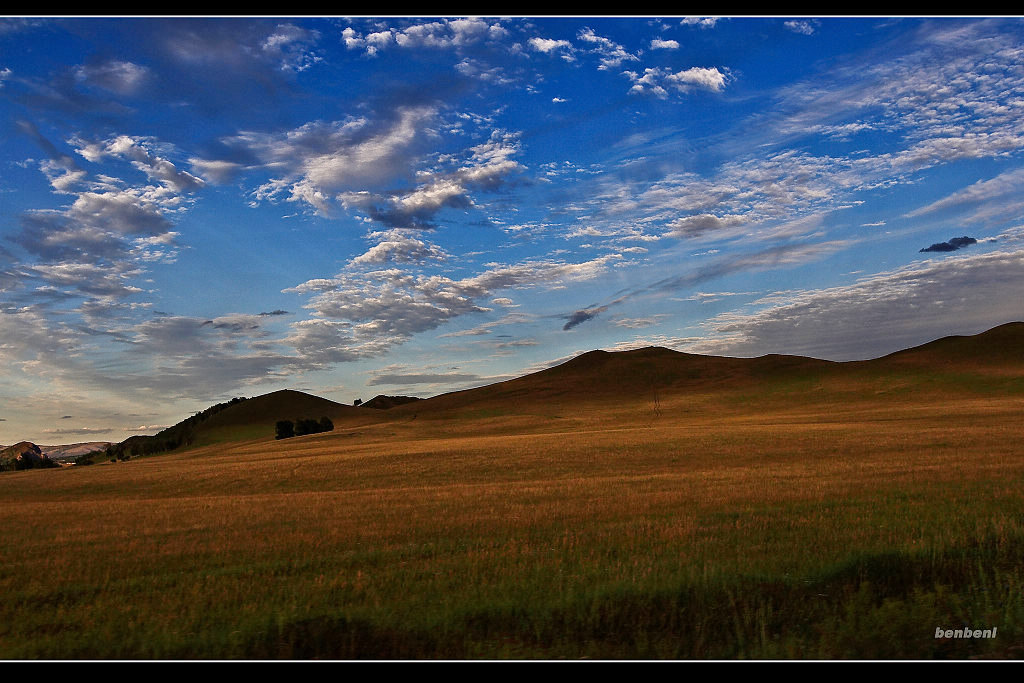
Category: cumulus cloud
<point>948,106</point>
<point>701,22</point>
<point>372,165</point>
<point>549,44</point>
<point>137,151</point>
<point>659,44</point>
<point>442,34</point>
<point>396,246</point>
<point>660,82</point>
<point>94,246</point>
<point>322,159</point>
<point>486,168</point>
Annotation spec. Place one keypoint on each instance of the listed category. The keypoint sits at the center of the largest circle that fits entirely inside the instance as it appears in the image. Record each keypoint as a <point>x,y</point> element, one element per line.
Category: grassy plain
<point>824,515</point>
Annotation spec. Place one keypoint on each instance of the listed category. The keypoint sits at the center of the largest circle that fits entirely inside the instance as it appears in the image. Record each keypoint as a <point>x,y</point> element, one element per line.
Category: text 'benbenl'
<point>965,633</point>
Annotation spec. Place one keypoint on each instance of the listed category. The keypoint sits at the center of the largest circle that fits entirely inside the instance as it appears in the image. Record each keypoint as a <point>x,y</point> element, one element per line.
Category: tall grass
<point>702,532</point>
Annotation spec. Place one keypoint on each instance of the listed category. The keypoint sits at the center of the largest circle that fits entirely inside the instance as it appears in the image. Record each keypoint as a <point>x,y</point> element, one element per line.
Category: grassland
<point>818,513</point>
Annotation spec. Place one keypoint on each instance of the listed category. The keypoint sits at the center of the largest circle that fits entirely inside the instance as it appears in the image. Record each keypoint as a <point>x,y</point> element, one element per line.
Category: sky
<point>193,209</point>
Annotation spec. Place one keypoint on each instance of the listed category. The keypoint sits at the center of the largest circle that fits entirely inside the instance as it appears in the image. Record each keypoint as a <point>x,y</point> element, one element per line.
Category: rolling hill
<point>639,381</point>
<point>240,419</point>
<point>646,379</point>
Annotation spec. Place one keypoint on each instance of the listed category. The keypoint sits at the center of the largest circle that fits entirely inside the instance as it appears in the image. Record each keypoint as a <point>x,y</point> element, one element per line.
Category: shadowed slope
<point>992,361</point>
<point>604,378</point>
<point>1000,348</point>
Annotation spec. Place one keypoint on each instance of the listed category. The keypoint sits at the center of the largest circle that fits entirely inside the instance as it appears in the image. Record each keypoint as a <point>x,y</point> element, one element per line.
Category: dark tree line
<point>286,429</point>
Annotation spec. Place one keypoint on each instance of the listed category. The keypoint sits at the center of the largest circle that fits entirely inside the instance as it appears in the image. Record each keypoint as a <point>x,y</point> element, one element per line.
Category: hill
<point>606,379</point>
<point>647,379</point>
<point>239,419</point>
<point>598,384</point>
<point>24,456</point>
<point>1000,348</point>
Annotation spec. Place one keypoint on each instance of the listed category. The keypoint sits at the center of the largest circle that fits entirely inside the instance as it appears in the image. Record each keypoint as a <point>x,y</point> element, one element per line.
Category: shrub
<point>285,429</point>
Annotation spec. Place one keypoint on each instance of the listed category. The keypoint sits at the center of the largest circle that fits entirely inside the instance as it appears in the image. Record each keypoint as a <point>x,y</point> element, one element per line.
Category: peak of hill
<point>382,402</point>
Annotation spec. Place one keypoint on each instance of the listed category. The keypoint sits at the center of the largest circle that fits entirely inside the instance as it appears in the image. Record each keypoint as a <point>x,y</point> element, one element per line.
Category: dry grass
<point>716,525</point>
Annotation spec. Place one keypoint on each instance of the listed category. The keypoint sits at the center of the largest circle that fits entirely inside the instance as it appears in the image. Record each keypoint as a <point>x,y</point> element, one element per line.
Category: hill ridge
<point>598,376</point>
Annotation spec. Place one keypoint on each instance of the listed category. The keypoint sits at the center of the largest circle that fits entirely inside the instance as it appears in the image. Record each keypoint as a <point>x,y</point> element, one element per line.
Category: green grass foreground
<point>844,519</point>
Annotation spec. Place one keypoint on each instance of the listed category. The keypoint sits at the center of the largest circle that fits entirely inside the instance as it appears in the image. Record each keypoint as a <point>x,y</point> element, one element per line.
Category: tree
<point>285,429</point>
<point>325,424</point>
<point>358,402</point>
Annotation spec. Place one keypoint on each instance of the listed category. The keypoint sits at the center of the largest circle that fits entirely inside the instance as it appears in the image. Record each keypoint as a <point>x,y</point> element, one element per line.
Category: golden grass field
<point>840,515</point>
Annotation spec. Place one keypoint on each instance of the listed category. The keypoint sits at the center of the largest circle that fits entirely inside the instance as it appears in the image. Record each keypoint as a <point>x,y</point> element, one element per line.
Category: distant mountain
<point>24,456</point>
<point>73,450</point>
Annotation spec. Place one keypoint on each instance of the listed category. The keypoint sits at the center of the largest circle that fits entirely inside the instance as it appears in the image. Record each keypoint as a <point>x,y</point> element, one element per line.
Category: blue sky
<point>193,209</point>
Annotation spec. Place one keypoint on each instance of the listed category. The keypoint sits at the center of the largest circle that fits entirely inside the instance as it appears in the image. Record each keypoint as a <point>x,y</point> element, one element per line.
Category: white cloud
<point>137,150</point>
<point>1007,183</point>
<point>291,46</point>
<point>702,22</point>
<point>637,323</point>
<point>123,78</point>
<point>485,167</point>
<point>804,27</point>
<point>443,34</point>
<point>659,44</point>
<point>364,313</point>
<point>396,246</point>
<point>659,81</point>
<point>611,53</point>
<point>697,225</point>
<point>547,45</point>
<point>321,159</point>
<point>219,172</point>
